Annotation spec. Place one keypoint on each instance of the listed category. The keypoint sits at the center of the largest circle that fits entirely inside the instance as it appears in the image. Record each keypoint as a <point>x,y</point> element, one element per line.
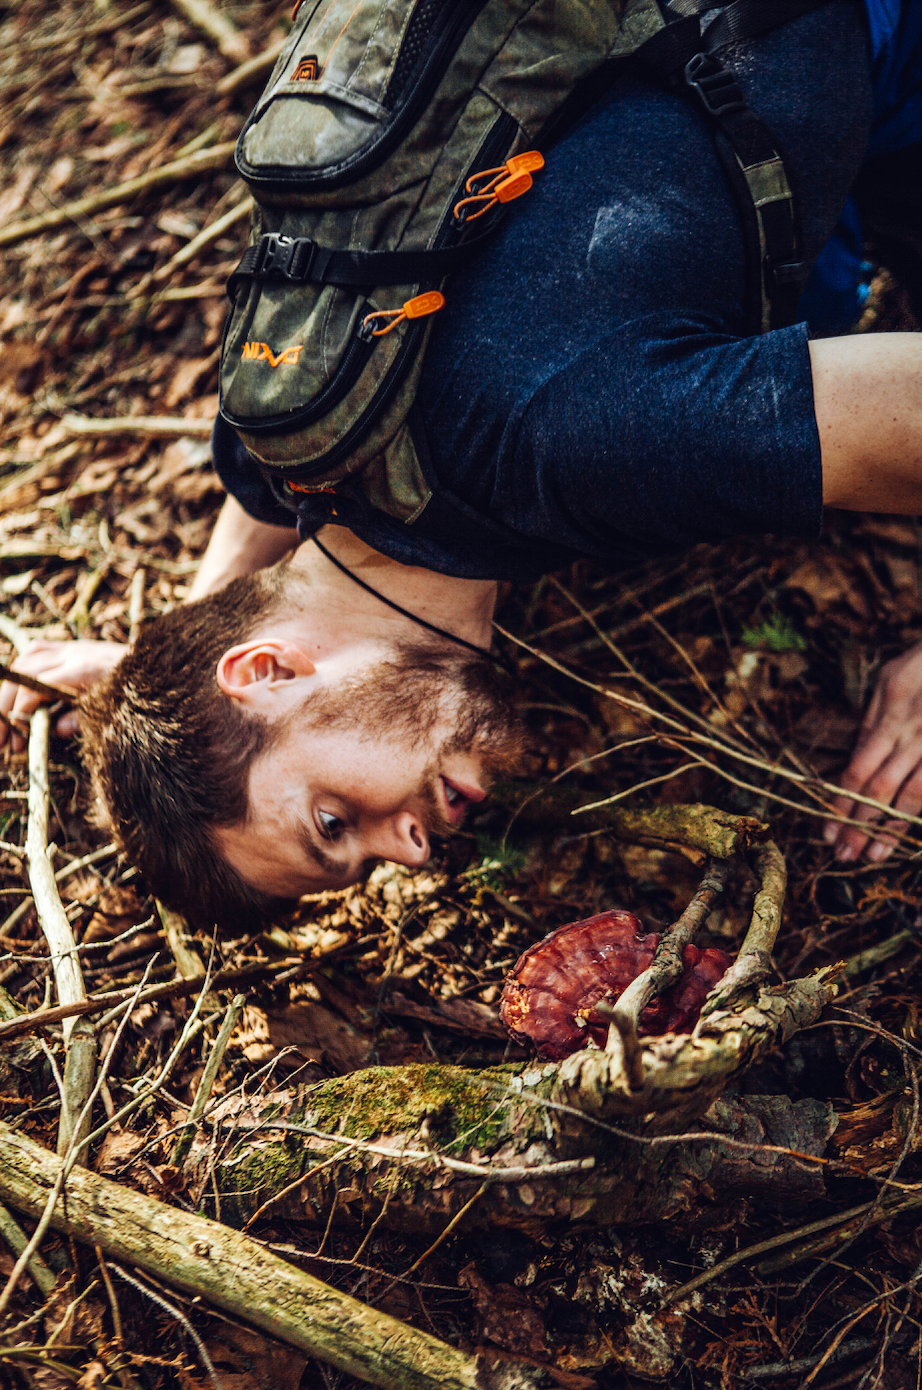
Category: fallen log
<point>547,1142</point>
<point>237,1275</point>
<point>601,1136</point>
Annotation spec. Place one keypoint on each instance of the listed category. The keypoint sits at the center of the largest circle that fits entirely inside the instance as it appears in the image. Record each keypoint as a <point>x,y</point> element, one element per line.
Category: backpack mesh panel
<point>424,17</point>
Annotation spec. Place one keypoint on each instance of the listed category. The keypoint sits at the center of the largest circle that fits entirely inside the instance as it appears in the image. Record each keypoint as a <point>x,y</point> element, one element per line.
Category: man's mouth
<point>458,798</point>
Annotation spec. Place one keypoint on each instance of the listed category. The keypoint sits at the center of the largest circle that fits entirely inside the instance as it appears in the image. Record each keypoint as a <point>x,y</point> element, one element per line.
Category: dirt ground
<point>768,648</point>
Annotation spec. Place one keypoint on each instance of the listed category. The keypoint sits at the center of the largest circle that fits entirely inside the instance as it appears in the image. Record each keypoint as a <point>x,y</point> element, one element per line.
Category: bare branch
<point>235,1274</point>
<point>79,1039</point>
<point>190,167</point>
<point>205,17</point>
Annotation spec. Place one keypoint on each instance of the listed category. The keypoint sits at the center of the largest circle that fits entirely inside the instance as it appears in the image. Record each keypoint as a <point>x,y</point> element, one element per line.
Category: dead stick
<point>137,424</point>
<point>839,1220</point>
<point>79,1039</point>
<point>754,962</point>
<point>173,989</point>
<point>53,692</point>
<point>209,1075</point>
<point>205,17</point>
<point>187,168</point>
<point>233,1273</point>
<point>254,70</point>
<point>83,31</point>
<point>136,604</point>
<point>667,964</point>
<point>204,239</point>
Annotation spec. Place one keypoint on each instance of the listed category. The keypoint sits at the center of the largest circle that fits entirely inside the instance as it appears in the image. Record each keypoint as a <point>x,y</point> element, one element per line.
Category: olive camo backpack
<point>389,141</point>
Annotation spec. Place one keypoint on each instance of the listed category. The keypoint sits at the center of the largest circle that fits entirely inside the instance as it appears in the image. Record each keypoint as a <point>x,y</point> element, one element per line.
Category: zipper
<point>278,180</point>
<point>342,381</point>
<point>494,146</point>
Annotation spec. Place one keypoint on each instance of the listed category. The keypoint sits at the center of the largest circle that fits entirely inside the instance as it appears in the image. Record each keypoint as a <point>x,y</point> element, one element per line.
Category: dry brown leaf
<point>117,1149</point>
<point>245,1360</point>
<point>319,1035</point>
<point>507,1316</point>
<point>185,379</point>
<point>93,1377</point>
<point>829,582</point>
<point>66,1324</point>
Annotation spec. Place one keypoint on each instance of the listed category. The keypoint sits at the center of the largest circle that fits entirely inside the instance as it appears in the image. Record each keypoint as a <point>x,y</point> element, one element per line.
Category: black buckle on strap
<point>714,86</point>
<point>786,272</point>
<point>284,256</point>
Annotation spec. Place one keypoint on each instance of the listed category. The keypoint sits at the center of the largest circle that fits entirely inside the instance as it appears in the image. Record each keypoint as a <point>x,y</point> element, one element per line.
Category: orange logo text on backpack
<point>262,352</point>
<point>308,70</point>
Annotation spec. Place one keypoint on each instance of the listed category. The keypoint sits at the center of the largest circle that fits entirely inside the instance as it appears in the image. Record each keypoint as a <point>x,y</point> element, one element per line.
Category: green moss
<point>777,633</point>
<point>461,1109</point>
<point>452,1108</point>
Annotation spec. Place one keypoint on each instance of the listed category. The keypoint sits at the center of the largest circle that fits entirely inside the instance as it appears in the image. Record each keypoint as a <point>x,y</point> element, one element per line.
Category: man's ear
<point>253,669</point>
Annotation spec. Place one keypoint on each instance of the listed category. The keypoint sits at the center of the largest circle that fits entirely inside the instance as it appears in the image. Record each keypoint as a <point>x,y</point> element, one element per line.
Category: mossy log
<point>531,1142</point>
<point>236,1274</point>
<point>589,1138</point>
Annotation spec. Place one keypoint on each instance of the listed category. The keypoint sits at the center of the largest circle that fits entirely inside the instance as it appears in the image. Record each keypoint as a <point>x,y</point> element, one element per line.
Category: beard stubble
<point>403,697</point>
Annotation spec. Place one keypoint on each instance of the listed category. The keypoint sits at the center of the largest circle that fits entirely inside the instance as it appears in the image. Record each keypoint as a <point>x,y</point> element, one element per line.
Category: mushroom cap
<point>552,989</point>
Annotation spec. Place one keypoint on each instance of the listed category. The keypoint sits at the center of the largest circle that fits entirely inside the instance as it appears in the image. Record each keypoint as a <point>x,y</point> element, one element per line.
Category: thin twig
<point>452,1226</point>
<point>136,604</point>
<point>254,70</point>
<point>667,964</point>
<point>210,21</point>
<point>646,711</point>
<point>175,1313</point>
<point>520,1172</point>
<point>115,1001</point>
<point>209,1075</point>
<point>138,424</point>
<point>79,1040</point>
<point>204,239</point>
<point>762,1247</point>
<point>53,692</point>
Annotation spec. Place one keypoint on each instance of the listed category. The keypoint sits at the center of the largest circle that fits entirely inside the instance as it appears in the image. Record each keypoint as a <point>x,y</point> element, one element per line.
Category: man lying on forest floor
<point>598,394</point>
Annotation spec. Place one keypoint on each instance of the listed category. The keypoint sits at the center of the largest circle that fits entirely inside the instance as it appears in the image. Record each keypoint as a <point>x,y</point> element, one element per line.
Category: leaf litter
<point>767,646</point>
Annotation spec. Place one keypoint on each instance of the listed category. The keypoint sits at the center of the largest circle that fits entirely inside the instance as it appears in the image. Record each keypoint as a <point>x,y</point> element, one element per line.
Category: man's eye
<point>331,826</point>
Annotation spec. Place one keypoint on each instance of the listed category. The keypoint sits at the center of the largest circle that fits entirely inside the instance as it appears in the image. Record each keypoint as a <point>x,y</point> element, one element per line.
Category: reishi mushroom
<point>551,991</point>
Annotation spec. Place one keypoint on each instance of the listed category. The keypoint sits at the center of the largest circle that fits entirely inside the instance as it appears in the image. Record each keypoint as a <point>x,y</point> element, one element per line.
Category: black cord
<point>430,627</point>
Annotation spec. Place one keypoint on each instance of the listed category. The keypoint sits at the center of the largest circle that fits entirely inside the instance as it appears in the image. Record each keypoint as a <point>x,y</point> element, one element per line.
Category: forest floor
<point>771,647</point>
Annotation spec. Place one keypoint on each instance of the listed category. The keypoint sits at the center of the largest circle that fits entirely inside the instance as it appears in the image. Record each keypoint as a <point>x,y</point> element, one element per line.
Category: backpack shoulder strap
<point>687,60</point>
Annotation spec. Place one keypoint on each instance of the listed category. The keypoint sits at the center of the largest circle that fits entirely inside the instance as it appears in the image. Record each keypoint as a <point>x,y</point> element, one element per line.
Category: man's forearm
<point>867,392</point>
<point>239,545</point>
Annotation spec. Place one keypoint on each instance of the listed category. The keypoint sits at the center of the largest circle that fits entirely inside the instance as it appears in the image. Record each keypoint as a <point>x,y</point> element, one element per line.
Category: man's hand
<point>75,665</point>
<point>887,761</point>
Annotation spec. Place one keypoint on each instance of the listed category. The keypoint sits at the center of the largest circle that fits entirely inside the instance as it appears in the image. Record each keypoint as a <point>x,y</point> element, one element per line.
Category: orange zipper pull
<point>416,308</point>
<point>491,186</point>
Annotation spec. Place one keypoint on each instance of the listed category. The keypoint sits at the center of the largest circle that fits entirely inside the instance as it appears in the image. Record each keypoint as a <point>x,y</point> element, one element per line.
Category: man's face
<point>370,770</point>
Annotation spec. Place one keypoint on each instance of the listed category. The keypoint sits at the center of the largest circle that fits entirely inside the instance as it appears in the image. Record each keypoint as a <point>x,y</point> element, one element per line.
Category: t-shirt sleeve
<point>240,473</point>
<point>672,433</point>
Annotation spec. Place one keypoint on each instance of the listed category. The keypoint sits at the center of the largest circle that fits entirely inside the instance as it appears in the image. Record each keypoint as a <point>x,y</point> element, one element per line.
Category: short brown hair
<point>169,754</point>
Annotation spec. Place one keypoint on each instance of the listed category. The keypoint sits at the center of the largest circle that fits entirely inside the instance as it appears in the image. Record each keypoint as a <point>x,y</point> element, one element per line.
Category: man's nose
<point>402,839</point>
